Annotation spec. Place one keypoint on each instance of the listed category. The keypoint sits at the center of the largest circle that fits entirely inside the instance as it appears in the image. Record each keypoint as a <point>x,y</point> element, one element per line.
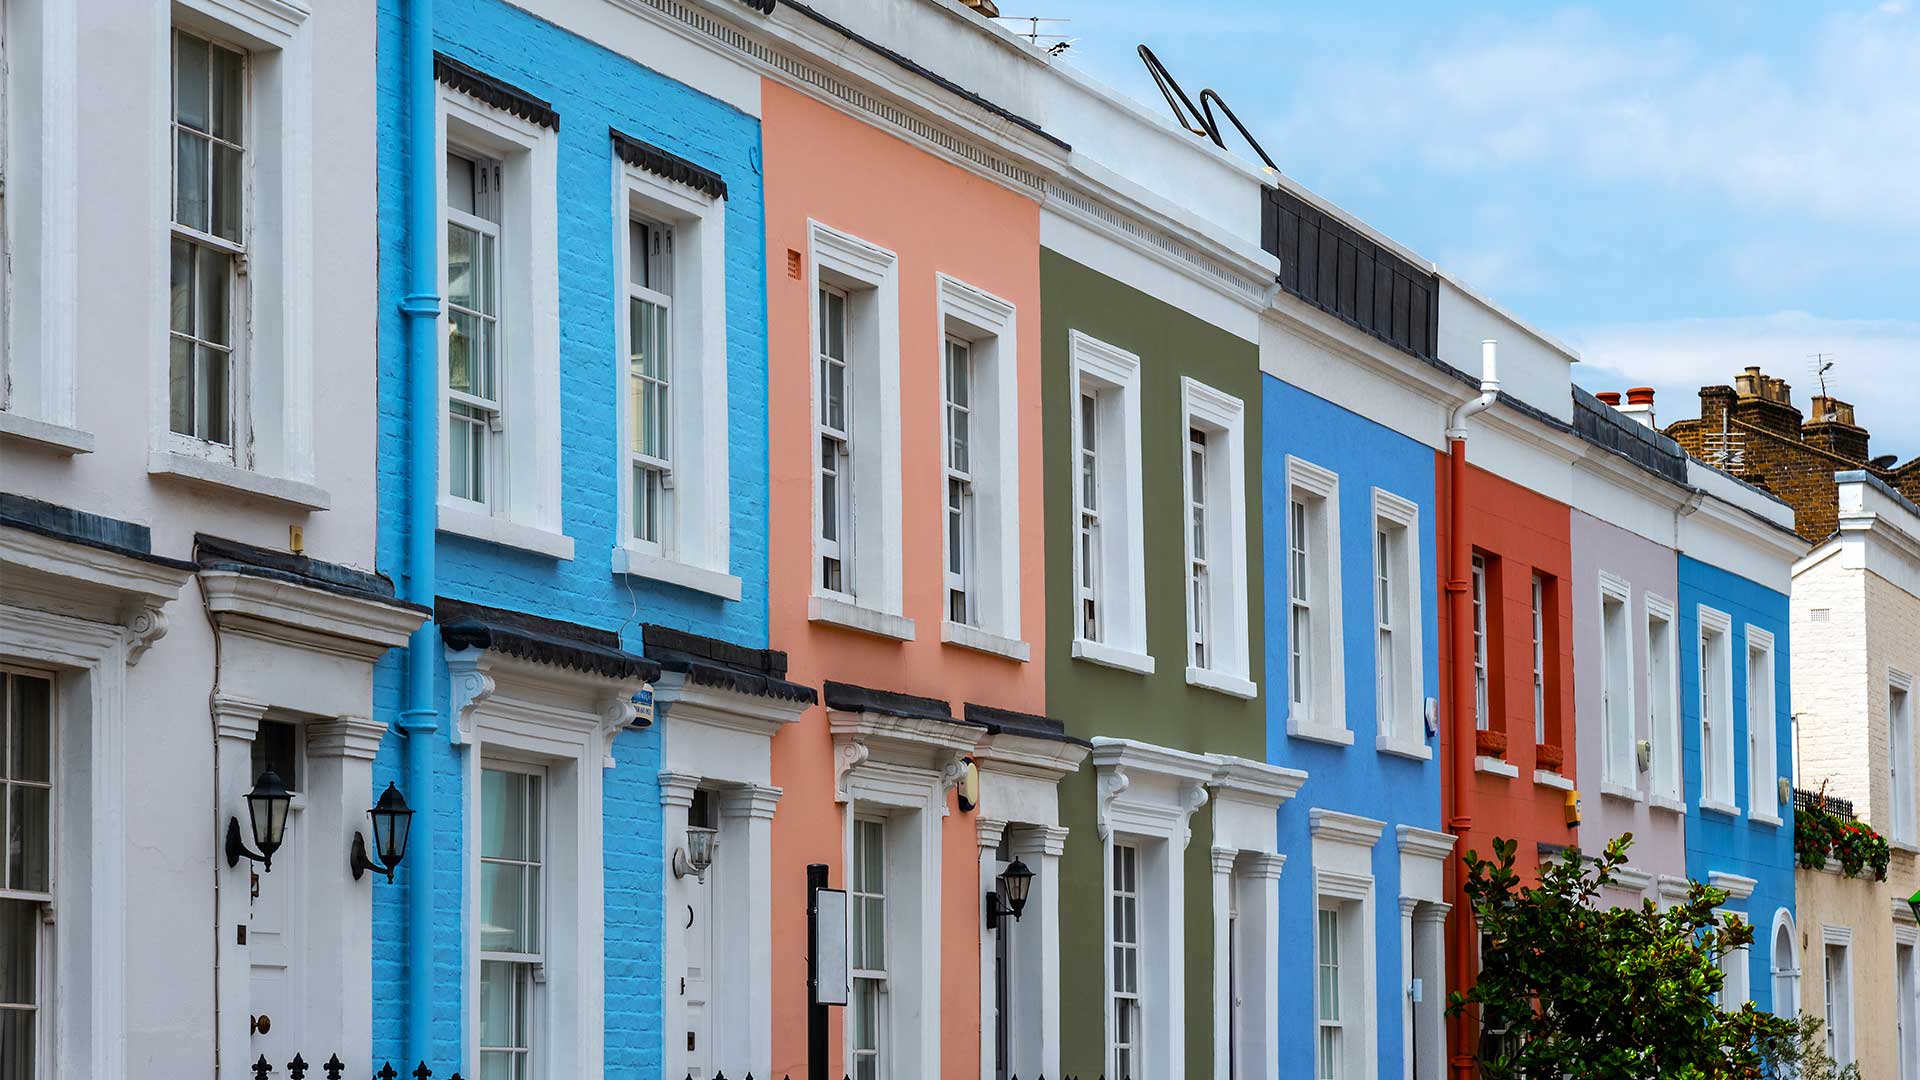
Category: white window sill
<point>1714,806</point>
<point>42,435</point>
<point>1552,779</point>
<point>853,616</point>
<point>1613,790</point>
<point>972,637</point>
<point>1907,846</point>
<point>296,493</point>
<point>631,560</point>
<point>1094,652</point>
<point>1387,744</point>
<point>460,521</point>
<point>1322,733</point>
<point>1221,682</point>
<point>1672,806</point>
<point>1759,818</point>
<point>1493,766</point>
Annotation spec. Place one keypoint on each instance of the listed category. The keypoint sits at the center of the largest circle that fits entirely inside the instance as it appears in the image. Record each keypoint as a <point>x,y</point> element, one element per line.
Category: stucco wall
<point>1357,779</point>
<point>1715,841</point>
<point>1826,899</point>
<point>593,90</point>
<point>1659,835</point>
<point>1160,708</point>
<point>825,166</point>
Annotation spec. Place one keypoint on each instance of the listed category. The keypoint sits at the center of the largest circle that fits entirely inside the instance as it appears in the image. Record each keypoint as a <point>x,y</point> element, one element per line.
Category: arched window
<point>1786,966</point>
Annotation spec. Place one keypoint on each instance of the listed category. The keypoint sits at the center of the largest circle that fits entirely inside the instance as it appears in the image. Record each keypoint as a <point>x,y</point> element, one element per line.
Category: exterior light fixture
<point>1914,903</point>
<point>267,806</point>
<point>697,855</point>
<point>392,822</point>
<point>1014,881</point>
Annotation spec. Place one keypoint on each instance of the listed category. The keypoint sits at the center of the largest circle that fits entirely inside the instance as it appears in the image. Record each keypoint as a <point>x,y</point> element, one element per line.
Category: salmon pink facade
<point>886,263</point>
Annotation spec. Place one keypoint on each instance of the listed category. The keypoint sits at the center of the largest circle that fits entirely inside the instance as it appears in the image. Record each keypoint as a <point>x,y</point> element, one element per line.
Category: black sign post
<point>826,963</point>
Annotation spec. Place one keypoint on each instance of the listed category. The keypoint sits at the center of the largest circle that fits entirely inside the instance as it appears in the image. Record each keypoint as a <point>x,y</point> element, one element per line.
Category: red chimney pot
<point>1640,395</point>
<point>1609,397</point>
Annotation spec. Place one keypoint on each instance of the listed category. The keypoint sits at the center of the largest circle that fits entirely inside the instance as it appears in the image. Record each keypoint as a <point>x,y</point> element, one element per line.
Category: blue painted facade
<point>592,90</point>
<point>1356,779</point>
<point>1716,841</point>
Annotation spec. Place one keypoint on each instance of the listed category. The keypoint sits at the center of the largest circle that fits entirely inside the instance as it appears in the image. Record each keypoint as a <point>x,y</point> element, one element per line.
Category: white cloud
<point>1877,364</point>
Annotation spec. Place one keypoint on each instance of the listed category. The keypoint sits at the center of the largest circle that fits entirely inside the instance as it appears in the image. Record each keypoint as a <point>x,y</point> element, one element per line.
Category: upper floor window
<point>1399,685</point>
<point>1616,681</point>
<point>1216,540</point>
<point>857,560</point>
<point>1904,803</point>
<point>1662,698</point>
<point>1316,676</point>
<point>475,418</point>
<point>207,313</point>
<point>1539,658</point>
<point>1716,710</point>
<point>1482,683</point>
<point>26,878</point>
<point>671,332</point>
<point>1110,547</point>
<point>1763,771</point>
<point>962,515</point>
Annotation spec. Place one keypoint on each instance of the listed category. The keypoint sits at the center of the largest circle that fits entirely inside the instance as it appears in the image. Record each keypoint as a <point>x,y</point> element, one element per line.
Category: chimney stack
<point>1639,406</point>
<point>1764,402</point>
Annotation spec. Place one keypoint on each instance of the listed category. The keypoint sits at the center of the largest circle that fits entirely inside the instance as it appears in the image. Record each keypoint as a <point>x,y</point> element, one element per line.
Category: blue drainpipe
<point>420,720</point>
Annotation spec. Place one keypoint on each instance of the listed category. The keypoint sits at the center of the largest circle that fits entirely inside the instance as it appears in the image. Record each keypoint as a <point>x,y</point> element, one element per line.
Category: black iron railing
<point>333,1069</point>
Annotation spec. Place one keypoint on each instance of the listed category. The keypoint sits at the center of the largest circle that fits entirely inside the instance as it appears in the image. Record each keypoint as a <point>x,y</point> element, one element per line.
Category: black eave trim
<point>542,640</point>
<point>219,553</point>
<point>846,697</point>
<point>722,664</point>
<point>501,95</point>
<point>79,527</point>
<point>1033,725</point>
<point>645,155</point>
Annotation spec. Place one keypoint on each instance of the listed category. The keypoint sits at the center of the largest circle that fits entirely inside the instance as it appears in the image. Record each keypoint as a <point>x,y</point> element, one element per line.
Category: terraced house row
<point>681,538</point>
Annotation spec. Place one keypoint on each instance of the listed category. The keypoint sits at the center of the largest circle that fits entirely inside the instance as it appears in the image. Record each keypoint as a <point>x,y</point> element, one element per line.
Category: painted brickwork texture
<point>1717,842</point>
<point>593,90</point>
<point>1159,708</point>
<point>1357,779</point>
<point>1779,449</point>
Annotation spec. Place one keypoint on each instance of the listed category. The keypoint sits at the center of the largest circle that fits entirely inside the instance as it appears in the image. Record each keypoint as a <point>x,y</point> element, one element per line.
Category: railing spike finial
<point>386,1072</point>
<point>297,1068</point>
<point>260,1069</point>
<point>334,1067</point>
<point>421,1072</point>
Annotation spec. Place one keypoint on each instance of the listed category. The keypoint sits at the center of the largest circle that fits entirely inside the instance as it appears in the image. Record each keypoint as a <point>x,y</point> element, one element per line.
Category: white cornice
<point>1736,886</point>
<point>1342,828</point>
<point>1146,758</point>
<point>1008,753</point>
<point>1423,842</point>
<point>303,615</point>
<point>1253,782</point>
<point>683,701</point>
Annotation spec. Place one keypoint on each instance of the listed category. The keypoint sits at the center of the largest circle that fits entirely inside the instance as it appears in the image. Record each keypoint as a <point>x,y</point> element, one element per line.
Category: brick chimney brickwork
<point>1752,430</point>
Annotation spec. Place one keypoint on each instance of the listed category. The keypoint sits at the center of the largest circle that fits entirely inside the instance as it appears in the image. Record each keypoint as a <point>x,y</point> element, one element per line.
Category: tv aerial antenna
<point>1054,44</point>
<point>1821,363</point>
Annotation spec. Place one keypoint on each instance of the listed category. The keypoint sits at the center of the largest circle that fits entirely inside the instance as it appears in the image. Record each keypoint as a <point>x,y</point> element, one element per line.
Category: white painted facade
<point>163,674</point>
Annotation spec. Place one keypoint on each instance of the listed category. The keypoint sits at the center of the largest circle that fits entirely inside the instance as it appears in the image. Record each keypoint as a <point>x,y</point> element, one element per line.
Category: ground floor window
<point>1126,960</point>
<point>512,960</point>
<point>26,882</point>
<point>1331,1047</point>
<point>868,901</point>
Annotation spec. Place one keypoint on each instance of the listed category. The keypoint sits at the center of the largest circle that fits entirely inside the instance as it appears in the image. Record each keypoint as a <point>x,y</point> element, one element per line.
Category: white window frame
<point>1906,1004</point>
<point>1666,776</point>
<point>872,595</point>
<point>47,961</point>
<point>560,723</point>
<point>1124,1053</point>
<point>1401,719</point>
<point>856,901</point>
<point>1322,715</point>
<point>39,249</point>
<point>989,325</point>
<point>1617,729</point>
<point>695,550</point>
<point>1763,764</point>
<point>272,452</point>
<point>1837,993</point>
<point>1112,375</point>
<point>1903,811</point>
<point>1221,417</point>
<point>1735,967</point>
<point>1328,940</point>
<point>1538,587</point>
<point>1342,849</point>
<point>1785,965</point>
<point>532,964</point>
<point>1716,712</point>
<point>1482,644</point>
<point>523,510</point>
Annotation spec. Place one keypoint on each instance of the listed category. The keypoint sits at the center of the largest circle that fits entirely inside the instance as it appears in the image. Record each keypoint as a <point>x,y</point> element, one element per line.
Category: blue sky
<point>1677,190</point>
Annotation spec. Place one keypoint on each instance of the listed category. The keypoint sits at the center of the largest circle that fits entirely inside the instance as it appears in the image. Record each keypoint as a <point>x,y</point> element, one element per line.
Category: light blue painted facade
<point>1357,779</point>
<point>593,90</point>
<point>1716,841</point>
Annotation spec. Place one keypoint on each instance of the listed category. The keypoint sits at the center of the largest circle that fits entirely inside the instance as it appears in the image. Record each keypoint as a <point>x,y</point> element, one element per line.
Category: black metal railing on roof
<point>1832,804</point>
<point>1330,265</point>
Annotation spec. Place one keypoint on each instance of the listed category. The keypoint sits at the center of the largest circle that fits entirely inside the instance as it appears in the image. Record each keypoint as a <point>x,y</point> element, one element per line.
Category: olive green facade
<point>1161,708</point>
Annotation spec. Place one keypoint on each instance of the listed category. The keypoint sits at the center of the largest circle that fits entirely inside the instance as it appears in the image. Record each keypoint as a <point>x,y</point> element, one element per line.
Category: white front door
<point>697,921</point>
<point>275,944</point>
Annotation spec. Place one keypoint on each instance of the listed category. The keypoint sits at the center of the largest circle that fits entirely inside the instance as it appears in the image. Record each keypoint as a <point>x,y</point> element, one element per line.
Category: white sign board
<point>831,976</point>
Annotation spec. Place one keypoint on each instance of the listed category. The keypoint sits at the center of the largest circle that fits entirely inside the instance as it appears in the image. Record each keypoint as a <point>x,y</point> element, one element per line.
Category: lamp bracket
<point>357,859</point>
<point>237,849</point>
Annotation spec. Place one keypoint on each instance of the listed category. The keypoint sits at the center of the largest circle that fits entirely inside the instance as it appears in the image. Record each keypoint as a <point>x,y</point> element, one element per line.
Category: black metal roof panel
<point>724,665</point>
<point>545,641</point>
<point>1333,266</point>
<point>1600,424</point>
<point>218,553</point>
<point>79,527</point>
<point>644,155</point>
<point>845,697</point>
<point>501,95</point>
<point>1032,725</point>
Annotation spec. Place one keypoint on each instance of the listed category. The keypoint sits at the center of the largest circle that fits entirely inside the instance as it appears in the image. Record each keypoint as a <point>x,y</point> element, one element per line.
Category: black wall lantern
<point>1015,880</point>
<point>267,806</point>
<point>392,821</point>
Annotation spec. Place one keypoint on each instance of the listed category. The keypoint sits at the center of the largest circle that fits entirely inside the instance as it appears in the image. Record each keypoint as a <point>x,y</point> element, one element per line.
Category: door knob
<point>259,1025</point>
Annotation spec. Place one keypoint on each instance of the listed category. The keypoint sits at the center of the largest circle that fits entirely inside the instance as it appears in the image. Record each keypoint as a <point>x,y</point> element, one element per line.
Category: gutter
<point>419,720</point>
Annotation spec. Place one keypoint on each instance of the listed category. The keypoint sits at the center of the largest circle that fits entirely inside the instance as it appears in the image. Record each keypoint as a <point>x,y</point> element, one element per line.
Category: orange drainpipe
<point>1460,707</point>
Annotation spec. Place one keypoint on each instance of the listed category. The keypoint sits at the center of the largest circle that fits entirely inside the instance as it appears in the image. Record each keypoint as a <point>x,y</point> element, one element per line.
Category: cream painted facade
<point>1856,673</point>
